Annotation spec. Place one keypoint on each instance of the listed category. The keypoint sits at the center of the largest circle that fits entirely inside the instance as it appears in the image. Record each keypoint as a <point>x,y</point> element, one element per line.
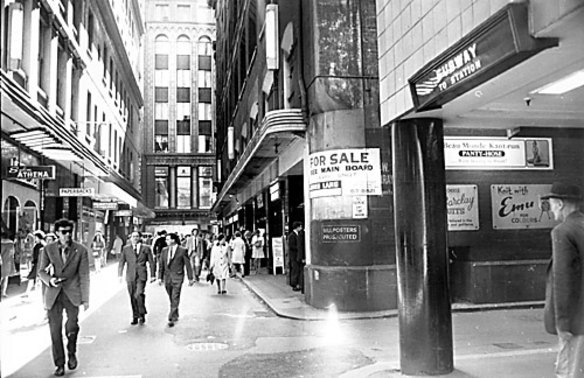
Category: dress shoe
<point>134,321</point>
<point>171,324</point>
<point>60,371</point>
<point>142,320</point>
<point>224,292</point>
<point>72,363</point>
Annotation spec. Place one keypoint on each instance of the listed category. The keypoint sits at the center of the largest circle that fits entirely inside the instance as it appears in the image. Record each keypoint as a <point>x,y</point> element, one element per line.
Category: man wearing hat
<point>564,305</point>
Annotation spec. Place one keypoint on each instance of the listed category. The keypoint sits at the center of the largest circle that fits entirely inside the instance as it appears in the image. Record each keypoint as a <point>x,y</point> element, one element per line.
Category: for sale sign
<point>347,172</point>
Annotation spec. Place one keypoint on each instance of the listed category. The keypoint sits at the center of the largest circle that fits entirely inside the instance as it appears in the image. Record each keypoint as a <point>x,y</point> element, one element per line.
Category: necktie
<point>64,254</point>
<point>136,249</point>
<point>170,254</point>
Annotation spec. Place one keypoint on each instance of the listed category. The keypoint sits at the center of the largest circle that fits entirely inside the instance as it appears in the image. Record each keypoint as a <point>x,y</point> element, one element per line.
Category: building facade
<point>71,110</point>
<point>179,116</point>
<point>460,134</point>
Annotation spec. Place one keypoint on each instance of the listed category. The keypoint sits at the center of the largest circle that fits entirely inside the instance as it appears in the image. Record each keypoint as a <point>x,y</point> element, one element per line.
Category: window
<point>183,62</point>
<point>161,136</point>
<point>204,111</point>
<point>161,94</point>
<point>183,94</point>
<point>205,187</point>
<point>183,136</point>
<point>205,63</point>
<point>161,187</point>
<point>160,62</point>
<point>205,46</point>
<point>205,95</point>
<point>90,31</point>
<point>162,11</point>
<point>161,111</point>
<point>161,78</point>
<point>184,12</point>
<point>204,79</point>
<point>183,188</point>
<point>183,110</point>
<point>88,115</point>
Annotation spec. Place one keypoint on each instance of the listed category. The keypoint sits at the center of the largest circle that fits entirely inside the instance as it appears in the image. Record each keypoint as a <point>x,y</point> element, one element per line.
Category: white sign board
<point>76,192</point>
<point>517,206</point>
<point>278,253</point>
<point>360,207</point>
<point>462,207</point>
<point>347,172</point>
<point>497,153</point>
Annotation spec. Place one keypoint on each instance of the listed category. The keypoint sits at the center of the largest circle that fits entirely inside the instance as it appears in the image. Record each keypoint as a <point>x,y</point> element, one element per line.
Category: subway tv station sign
<point>496,45</point>
<point>346,172</point>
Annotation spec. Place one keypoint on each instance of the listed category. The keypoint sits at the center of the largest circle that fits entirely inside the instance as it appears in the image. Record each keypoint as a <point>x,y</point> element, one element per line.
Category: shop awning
<point>278,130</point>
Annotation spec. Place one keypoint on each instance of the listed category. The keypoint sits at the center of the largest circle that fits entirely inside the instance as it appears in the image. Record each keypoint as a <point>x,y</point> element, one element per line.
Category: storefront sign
<point>42,172</point>
<point>105,205</point>
<point>499,43</point>
<point>462,207</point>
<point>340,233</point>
<point>348,172</point>
<point>277,253</point>
<point>123,213</point>
<point>360,207</point>
<point>517,206</point>
<point>76,192</point>
<point>497,153</point>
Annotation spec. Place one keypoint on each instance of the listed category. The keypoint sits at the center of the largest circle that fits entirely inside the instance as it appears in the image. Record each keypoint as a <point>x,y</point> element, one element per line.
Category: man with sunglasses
<point>64,270</point>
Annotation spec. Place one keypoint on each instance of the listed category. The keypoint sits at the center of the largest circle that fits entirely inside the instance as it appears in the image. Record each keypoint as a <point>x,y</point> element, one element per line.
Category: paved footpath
<point>238,335</point>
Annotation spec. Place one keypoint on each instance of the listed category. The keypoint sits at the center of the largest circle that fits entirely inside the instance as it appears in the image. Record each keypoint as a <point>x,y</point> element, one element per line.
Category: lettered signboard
<point>517,206</point>
<point>347,172</point>
<point>462,207</point>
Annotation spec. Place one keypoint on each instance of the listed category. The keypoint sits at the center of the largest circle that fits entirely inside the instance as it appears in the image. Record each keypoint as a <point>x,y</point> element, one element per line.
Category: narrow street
<point>236,335</point>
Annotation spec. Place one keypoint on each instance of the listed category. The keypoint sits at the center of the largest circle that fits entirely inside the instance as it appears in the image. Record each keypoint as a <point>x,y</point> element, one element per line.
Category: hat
<point>564,191</point>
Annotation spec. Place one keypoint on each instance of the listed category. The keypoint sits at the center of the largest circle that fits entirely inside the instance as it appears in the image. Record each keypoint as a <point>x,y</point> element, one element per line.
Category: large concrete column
<point>420,236</point>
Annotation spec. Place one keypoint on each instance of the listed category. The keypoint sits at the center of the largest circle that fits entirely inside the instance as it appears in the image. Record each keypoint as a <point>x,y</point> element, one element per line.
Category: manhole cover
<point>206,347</point>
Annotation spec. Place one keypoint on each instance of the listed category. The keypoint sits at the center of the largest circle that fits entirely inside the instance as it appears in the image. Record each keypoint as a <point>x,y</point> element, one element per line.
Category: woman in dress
<point>97,249</point>
<point>220,263</point>
<point>257,254</point>
<point>238,254</point>
<point>8,268</point>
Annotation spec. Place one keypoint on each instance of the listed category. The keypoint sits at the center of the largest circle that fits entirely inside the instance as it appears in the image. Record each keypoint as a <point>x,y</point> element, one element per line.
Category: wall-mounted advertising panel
<point>347,172</point>
<point>497,153</point>
<point>519,206</point>
<point>462,207</point>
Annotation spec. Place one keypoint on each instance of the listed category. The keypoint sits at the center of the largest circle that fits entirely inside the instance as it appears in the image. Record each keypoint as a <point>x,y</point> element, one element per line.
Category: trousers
<point>55,315</point>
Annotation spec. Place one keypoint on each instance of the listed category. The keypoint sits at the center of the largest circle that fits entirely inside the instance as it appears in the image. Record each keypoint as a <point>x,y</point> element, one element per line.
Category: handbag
<point>210,278</point>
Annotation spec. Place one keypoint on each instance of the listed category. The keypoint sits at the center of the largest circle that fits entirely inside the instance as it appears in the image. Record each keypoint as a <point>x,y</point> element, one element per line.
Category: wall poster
<point>519,206</point>
<point>462,207</point>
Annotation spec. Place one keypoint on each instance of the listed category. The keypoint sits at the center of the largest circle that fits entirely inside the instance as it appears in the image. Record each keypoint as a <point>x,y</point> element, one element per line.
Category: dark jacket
<point>136,263</point>
<point>564,305</point>
<point>296,246</point>
<point>174,271</point>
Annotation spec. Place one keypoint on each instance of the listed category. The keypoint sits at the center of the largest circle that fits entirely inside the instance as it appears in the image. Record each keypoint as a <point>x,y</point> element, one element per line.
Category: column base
<point>355,288</point>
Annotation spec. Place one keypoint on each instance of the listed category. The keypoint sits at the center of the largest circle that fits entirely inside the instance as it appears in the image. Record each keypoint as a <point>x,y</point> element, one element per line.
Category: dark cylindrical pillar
<point>425,322</point>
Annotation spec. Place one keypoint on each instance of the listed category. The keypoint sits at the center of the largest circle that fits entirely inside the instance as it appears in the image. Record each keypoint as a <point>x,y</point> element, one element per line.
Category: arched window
<point>205,46</point>
<point>10,214</point>
<point>161,84</point>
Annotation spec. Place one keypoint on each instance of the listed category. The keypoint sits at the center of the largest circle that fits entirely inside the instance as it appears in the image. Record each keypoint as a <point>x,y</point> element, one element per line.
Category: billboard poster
<point>462,207</point>
<point>497,153</point>
<point>346,172</point>
<point>519,206</point>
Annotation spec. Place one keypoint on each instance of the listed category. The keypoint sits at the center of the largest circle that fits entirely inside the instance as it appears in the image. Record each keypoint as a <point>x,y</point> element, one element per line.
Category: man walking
<point>297,256</point>
<point>195,251</point>
<point>173,261</point>
<point>564,306</point>
<point>64,270</point>
<point>136,255</point>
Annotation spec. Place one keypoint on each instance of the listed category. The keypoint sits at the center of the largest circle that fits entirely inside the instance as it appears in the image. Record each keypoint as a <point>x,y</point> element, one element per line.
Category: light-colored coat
<point>75,270</point>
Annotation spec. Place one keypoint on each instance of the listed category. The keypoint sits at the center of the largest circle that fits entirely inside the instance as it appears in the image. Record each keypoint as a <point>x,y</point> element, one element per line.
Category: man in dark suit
<point>136,255</point>
<point>564,305</point>
<point>173,261</point>
<point>297,256</point>
<point>64,271</point>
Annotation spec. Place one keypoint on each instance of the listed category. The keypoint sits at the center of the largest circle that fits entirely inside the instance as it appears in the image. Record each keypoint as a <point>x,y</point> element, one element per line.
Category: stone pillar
<point>340,65</point>
<point>67,82</point>
<point>53,58</point>
<point>420,236</point>
<point>30,51</point>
